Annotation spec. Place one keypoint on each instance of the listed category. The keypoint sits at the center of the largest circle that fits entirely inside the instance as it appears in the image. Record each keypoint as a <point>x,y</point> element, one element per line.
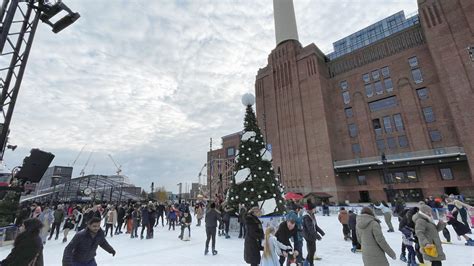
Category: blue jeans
<point>89,263</point>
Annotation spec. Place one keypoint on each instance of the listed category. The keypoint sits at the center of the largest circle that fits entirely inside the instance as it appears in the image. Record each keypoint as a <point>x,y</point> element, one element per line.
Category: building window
<point>391,143</point>
<point>230,152</point>
<point>366,78</point>
<point>422,93</point>
<point>388,84</point>
<point>435,135</point>
<point>348,112</point>
<point>380,144</point>
<point>382,104</point>
<point>346,97</point>
<point>375,74</point>
<point>352,130</point>
<point>344,85</point>
<point>377,127</point>
<point>428,114</point>
<point>356,148</point>
<point>385,72</point>
<point>369,91</point>
<point>446,174</point>
<point>403,141</point>
<point>413,62</point>
<point>412,177</point>
<point>417,76</point>
<point>398,122</point>
<point>378,87</point>
<point>361,180</point>
<point>387,124</point>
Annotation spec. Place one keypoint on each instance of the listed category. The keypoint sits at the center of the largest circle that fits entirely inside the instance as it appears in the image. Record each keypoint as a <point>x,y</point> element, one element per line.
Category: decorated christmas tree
<point>254,180</point>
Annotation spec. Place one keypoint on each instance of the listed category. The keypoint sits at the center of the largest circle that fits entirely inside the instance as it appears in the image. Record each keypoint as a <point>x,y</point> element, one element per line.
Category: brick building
<point>220,164</point>
<point>389,113</point>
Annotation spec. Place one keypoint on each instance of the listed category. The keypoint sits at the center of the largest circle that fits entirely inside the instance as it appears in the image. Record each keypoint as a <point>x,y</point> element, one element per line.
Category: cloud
<point>151,81</point>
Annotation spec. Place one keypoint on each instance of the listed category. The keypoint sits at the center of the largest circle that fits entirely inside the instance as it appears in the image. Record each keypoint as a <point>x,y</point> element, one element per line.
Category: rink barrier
<point>7,235</point>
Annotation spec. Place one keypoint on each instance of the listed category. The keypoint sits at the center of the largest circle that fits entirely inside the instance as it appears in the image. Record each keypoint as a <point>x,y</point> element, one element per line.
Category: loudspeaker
<point>35,165</point>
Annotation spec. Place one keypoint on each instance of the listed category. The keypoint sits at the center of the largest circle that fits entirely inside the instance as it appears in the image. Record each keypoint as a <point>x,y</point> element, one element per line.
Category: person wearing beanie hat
<point>427,232</point>
<point>311,233</point>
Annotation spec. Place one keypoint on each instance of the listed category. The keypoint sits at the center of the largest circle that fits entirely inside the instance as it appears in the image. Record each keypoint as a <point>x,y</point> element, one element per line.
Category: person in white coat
<point>272,249</point>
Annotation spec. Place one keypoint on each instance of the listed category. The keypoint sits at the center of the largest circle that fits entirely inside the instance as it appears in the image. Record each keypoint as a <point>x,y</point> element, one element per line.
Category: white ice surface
<point>167,249</point>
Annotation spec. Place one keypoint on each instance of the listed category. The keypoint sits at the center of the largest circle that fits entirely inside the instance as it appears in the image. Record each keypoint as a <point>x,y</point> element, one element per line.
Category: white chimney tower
<point>285,21</point>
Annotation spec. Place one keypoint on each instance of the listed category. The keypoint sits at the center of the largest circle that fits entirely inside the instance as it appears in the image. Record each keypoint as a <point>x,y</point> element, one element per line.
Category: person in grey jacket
<point>82,248</point>
<point>427,232</point>
<point>212,216</point>
<point>370,236</point>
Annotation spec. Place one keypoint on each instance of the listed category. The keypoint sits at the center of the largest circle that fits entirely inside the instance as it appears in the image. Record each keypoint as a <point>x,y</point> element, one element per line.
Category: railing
<point>414,155</point>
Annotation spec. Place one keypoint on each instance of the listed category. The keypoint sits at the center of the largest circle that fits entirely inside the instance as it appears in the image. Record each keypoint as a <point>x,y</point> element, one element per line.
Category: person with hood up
<point>370,236</point>
<point>254,236</point>
<point>311,233</point>
<point>427,232</point>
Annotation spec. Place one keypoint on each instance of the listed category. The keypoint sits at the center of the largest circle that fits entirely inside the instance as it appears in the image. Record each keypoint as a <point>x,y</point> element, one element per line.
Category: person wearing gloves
<point>272,248</point>
<point>370,236</point>
<point>311,233</point>
<point>427,232</point>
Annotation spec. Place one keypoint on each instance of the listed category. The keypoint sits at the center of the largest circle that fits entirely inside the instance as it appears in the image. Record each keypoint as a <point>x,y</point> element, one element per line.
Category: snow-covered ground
<point>167,249</point>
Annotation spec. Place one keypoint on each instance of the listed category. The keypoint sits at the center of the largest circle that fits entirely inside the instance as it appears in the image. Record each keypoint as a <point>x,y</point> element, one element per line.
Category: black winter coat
<point>212,216</point>
<point>459,228</point>
<point>352,221</point>
<point>283,234</point>
<point>83,247</point>
<point>311,230</point>
<point>120,214</point>
<point>24,252</point>
<point>253,239</point>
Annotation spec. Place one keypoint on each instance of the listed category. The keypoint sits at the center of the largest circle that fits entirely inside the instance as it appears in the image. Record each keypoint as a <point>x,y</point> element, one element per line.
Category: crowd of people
<point>279,245</point>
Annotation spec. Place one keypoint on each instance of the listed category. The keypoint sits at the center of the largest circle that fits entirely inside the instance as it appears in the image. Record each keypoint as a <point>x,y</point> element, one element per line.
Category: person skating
<point>460,228</point>
<point>58,215</point>
<point>160,211</point>
<point>311,233</point>
<point>287,230</point>
<point>343,218</point>
<point>226,221</point>
<point>352,221</point>
<point>27,247</point>
<point>135,222</point>
<point>120,219</point>
<point>145,216</point>
<point>407,227</point>
<point>387,214</point>
<point>111,221</point>
<point>46,217</point>
<point>69,224</point>
<point>199,213</point>
<point>253,239</point>
<point>427,232</point>
<point>242,214</point>
<point>325,208</point>
<point>152,217</point>
<point>83,246</point>
<point>185,224</point>
<point>211,219</point>
<point>272,249</point>
<point>172,216</point>
<point>370,236</point>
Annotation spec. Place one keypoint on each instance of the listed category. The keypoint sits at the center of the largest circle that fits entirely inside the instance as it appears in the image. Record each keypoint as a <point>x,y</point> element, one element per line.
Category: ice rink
<point>167,249</point>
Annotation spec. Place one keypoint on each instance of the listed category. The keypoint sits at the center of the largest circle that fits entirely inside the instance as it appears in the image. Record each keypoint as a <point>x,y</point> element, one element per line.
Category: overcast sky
<point>151,81</point>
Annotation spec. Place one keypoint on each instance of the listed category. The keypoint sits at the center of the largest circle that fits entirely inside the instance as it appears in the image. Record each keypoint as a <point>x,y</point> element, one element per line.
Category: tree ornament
<point>273,184</point>
<point>254,175</point>
<point>260,168</point>
<point>271,168</point>
<point>232,198</point>
<point>274,195</point>
<point>236,197</point>
<point>276,179</point>
<point>251,189</point>
<point>263,179</point>
<point>259,196</point>
<point>265,192</point>
<point>246,199</point>
<point>268,173</point>
<point>245,189</point>
<point>249,149</point>
<point>251,202</point>
<point>241,166</point>
<point>248,99</point>
<point>247,159</point>
<point>280,201</point>
<point>256,155</point>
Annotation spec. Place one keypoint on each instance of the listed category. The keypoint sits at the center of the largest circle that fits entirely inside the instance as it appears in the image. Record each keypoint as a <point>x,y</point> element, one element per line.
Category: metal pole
<point>210,171</point>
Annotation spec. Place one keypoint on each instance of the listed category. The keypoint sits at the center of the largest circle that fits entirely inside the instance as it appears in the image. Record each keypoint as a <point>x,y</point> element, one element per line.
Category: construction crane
<point>18,23</point>
<point>87,162</point>
<point>77,157</point>
<point>119,167</point>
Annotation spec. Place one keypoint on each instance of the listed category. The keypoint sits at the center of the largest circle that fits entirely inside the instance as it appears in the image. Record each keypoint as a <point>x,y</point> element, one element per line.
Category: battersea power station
<point>389,113</point>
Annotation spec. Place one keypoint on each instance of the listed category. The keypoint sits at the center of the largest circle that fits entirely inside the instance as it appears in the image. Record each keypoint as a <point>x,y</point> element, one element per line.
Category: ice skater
<point>311,233</point>
<point>185,224</point>
<point>212,216</point>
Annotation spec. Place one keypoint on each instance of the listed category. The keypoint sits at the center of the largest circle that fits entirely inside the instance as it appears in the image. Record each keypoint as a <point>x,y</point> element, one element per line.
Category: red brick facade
<point>300,109</point>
